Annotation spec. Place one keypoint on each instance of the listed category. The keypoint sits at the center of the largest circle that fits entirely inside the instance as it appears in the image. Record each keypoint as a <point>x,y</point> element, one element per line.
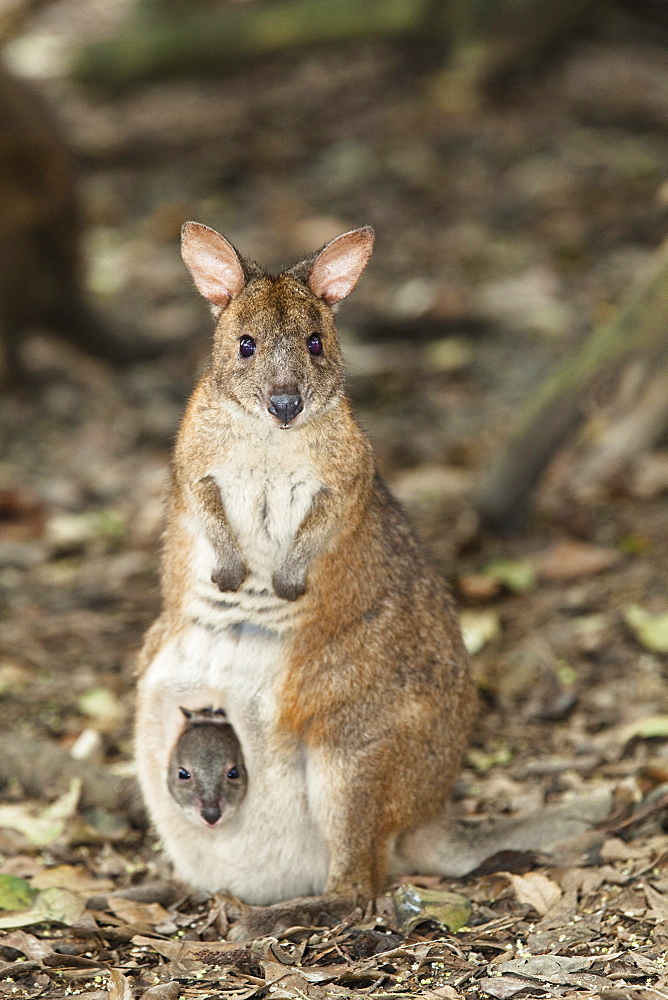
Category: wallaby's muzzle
<point>285,407</point>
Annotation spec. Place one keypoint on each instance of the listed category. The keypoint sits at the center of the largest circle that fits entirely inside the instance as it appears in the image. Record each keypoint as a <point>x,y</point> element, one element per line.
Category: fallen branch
<point>557,407</point>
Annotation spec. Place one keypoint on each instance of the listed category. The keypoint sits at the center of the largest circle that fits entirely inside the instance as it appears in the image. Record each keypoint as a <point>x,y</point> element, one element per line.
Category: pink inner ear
<point>212,262</point>
<point>339,266</point>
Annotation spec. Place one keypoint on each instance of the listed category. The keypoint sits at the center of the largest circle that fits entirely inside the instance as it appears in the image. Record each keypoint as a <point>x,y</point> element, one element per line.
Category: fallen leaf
<point>179,950</point>
<point>568,560</point>
<point>415,905</point>
<point>479,628</point>
<point>503,987</point>
<point>49,824</point>
<point>537,890</point>
<point>15,893</point>
<point>50,906</point>
<point>650,728</point>
<point>31,946</point>
<point>476,587</point>
<point>483,762</point>
<point>119,987</point>
<point>658,903</point>
<point>550,968</point>
<point>101,704</point>
<point>651,631</point>
<point>137,913</point>
<point>163,991</point>
<point>515,574</point>
<point>450,354</point>
<point>72,877</point>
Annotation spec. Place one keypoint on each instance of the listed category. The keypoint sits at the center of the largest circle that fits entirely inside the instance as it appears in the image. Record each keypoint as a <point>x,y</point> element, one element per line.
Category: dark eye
<point>184,775</point>
<point>314,344</point>
<point>233,773</point>
<point>246,347</point>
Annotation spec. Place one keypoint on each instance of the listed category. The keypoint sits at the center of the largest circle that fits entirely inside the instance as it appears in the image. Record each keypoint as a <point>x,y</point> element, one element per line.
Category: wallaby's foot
<point>306,911</point>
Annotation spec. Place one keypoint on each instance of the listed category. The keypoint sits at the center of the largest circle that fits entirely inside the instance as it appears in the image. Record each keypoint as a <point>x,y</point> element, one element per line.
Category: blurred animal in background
<point>41,272</point>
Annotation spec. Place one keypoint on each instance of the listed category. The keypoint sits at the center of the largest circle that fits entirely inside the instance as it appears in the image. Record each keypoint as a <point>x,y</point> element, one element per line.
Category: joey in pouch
<point>206,773</point>
<point>295,593</point>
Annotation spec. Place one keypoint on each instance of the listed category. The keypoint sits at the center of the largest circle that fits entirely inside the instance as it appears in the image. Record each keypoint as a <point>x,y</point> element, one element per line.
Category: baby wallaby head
<point>206,773</point>
<point>276,352</point>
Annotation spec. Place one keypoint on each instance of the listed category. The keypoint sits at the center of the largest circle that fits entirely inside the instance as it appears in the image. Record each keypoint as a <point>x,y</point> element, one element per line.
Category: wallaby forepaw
<point>229,576</point>
<point>288,586</point>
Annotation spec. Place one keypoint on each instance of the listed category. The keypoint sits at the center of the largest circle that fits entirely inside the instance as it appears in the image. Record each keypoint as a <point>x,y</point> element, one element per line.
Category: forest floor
<point>503,234</point>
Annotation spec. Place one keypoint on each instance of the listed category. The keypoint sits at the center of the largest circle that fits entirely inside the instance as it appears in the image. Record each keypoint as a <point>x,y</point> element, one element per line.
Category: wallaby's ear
<point>337,268</point>
<point>213,263</point>
<point>186,712</point>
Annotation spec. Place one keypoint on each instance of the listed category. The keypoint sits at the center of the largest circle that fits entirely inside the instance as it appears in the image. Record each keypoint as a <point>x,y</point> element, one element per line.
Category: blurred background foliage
<point>512,155</point>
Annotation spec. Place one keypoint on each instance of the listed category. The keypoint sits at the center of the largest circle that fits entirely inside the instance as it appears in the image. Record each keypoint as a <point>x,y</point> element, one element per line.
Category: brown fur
<point>374,690</point>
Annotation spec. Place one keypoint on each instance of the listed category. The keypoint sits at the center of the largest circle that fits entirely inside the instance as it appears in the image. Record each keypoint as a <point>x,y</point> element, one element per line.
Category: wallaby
<point>296,596</point>
<point>206,773</point>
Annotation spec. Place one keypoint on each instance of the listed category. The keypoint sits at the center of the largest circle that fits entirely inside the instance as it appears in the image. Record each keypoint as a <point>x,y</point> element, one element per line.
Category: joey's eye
<point>314,344</point>
<point>233,773</point>
<point>184,775</point>
<point>246,347</point>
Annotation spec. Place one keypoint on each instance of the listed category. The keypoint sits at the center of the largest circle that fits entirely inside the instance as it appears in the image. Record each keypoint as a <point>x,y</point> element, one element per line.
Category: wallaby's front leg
<point>230,570</point>
<point>289,580</point>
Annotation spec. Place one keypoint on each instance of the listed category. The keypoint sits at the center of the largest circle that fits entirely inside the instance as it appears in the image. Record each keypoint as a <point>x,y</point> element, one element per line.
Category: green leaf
<point>651,631</point>
<point>414,905</point>
<point>15,893</point>
<point>517,575</point>
<point>483,762</point>
<point>650,728</point>
<point>51,906</point>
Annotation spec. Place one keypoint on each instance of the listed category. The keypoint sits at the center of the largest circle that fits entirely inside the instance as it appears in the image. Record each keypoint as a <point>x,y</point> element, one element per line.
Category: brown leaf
<point>476,587</point>
<point>119,987</point>
<point>28,944</point>
<point>179,950</point>
<point>537,890</point>
<point>137,913</point>
<point>503,987</point>
<point>72,877</point>
<point>658,903</point>
<point>163,991</point>
<point>568,560</point>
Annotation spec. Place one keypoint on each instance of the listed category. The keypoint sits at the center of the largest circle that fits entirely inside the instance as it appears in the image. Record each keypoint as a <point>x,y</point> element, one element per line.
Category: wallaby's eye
<point>184,775</point>
<point>233,773</point>
<point>314,344</point>
<point>246,347</point>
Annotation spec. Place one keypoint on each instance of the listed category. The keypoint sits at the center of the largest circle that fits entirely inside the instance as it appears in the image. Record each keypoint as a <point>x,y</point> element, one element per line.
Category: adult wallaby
<point>296,597</point>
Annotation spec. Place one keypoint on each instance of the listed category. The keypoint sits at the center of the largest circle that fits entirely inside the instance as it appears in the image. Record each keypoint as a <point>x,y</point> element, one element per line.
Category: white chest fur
<point>267,486</point>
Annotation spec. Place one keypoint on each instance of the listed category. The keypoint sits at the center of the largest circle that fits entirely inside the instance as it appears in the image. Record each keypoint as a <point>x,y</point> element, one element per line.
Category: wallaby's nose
<point>210,814</point>
<point>286,406</point>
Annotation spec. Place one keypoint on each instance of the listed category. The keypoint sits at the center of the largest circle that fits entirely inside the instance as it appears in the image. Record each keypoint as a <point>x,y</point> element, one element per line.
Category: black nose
<point>210,814</point>
<point>286,406</point>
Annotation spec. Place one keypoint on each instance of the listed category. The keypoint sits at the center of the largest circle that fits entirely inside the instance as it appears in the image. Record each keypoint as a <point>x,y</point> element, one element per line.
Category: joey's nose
<point>210,814</point>
<point>286,406</point>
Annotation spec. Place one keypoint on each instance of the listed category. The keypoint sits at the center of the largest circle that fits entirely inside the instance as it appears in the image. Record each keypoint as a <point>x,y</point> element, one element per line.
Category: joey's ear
<point>188,714</point>
<point>337,268</point>
<point>213,263</point>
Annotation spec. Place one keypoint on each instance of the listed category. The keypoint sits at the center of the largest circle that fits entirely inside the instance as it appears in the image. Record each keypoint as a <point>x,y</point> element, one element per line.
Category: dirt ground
<point>503,234</point>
